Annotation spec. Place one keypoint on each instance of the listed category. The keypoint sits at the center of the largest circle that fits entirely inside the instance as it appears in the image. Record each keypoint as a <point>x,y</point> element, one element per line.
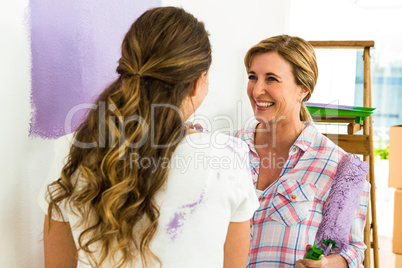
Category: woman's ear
<point>197,84</point>
<point>303,93</point>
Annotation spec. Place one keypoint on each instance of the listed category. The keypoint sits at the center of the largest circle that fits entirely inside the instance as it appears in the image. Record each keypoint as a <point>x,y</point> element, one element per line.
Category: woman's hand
<point>330,261</point>
<point>307,263</point>
<point>194,128</point>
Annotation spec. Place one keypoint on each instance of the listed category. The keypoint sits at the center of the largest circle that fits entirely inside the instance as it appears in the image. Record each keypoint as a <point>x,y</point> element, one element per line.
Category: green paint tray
<point>339,111</point>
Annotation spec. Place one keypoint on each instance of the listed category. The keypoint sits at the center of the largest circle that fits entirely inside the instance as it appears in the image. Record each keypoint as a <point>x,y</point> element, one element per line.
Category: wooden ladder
<point>358,144</point>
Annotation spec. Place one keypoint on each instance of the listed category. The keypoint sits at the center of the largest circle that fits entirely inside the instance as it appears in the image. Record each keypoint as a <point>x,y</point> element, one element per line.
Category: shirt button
<point>294,150</point>
<point>251,225</point>
<point>262,197</point>
<point>293,196</point>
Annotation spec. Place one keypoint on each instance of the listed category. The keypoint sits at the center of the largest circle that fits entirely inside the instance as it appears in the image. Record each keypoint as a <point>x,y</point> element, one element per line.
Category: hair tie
<point>130,75</point>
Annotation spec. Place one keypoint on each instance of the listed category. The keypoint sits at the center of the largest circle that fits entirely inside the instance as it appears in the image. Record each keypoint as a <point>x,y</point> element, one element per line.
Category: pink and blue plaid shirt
<point>291,208</point>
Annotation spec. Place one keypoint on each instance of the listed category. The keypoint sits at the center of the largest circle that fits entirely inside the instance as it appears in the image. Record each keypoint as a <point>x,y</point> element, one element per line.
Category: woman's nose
<point>259,88</point>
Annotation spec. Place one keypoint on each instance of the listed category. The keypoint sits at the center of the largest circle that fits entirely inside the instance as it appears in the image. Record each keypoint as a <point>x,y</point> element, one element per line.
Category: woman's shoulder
<point>235,144</point>
<point>229,143</point>
<point>323,148</point>
<point>215,143</point>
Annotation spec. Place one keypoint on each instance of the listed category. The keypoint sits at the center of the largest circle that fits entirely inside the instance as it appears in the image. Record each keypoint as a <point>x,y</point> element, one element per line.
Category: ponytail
<point>304,113</point>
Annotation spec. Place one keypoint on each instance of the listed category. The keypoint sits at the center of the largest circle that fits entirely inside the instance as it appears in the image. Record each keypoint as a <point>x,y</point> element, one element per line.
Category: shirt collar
<point>249,135</point>
<point>306,137</point>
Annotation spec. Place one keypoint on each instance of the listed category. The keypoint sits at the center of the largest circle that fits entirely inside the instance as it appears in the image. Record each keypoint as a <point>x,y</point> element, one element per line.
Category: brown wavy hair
<point>163,53</point>
<point>301,56</point>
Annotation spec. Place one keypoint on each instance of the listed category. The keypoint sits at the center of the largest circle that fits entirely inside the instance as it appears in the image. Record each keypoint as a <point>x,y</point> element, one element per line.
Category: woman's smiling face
<point>272,90</point>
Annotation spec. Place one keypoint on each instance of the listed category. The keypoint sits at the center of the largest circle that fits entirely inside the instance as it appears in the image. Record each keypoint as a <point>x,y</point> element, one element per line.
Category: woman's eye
<point>271,78</point>
<point>252,77</point>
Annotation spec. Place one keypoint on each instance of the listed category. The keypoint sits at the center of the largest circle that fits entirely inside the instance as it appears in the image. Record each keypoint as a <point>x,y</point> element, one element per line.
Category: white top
<point>209,185</point>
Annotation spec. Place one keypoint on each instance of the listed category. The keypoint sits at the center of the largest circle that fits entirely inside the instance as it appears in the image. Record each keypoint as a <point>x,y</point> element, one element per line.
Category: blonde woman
<point>138,195</point>
<point>293,165</point>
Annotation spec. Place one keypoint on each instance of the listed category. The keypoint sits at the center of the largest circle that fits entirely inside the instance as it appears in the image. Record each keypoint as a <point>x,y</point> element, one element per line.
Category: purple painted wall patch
<point>75,48</point>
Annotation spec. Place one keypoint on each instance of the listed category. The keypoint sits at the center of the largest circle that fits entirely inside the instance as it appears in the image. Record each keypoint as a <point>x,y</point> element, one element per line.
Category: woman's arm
<point>60,250</point>
<point>237,245</point>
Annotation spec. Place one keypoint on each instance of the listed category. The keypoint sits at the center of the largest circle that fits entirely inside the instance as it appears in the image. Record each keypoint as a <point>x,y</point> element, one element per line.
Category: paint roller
<point>338,214</point>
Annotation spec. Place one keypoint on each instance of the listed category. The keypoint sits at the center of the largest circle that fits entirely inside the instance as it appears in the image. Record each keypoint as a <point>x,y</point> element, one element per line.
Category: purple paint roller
<point>338,213</point>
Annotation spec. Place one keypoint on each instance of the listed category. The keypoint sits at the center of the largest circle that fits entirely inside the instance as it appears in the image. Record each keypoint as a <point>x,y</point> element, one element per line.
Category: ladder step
<point>342,44</point>
<point>355,144</point>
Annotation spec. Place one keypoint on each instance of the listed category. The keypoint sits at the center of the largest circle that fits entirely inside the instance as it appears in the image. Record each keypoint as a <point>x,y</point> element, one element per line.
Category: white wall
<point>24,162</point>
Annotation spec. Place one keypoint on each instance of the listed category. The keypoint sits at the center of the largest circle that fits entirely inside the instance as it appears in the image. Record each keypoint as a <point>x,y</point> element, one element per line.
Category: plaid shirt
<point>291,208</point>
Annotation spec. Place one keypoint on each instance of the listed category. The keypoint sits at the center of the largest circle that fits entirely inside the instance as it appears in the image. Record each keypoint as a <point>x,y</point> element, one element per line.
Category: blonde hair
<point>300,54</point>
<point>163,53</point>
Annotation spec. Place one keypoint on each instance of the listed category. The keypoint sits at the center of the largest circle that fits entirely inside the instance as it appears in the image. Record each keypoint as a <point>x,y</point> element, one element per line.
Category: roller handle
<point>314,253</point>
